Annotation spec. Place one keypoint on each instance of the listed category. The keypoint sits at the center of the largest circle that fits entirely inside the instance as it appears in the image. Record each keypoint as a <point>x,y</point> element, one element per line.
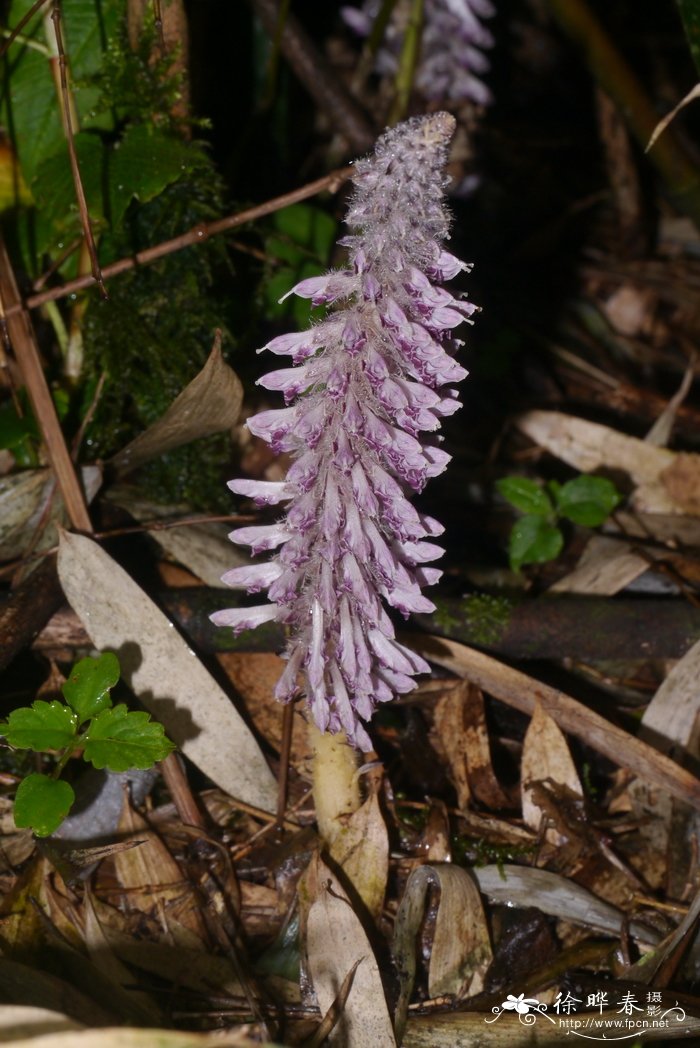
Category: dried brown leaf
<point>335,941</point>
<point>521,691</point>
<point>361,848</point>
<point>155,883</point>
<point>104,959</point>
<point>546,755</point>
<point>254,675</point>
<point>589,446</point>
<point>210,404</point>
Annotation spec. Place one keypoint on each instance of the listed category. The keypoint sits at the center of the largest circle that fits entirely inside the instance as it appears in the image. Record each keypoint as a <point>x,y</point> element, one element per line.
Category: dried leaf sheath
<point>368,382</point>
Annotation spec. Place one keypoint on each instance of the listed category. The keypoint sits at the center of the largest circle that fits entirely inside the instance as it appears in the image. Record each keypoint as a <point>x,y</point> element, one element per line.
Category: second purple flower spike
<point>367,383</point>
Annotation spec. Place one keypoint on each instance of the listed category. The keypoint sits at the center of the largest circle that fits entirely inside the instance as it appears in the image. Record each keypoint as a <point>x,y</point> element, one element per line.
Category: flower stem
<point>335,785</point>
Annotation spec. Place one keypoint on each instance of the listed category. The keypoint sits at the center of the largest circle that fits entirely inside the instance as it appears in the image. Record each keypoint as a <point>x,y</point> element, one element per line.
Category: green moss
<point>477,619</point>
<point>487,617</point>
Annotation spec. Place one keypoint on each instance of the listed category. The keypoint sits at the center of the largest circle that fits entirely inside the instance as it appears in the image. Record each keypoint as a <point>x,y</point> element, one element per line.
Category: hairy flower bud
<point>370,381</point>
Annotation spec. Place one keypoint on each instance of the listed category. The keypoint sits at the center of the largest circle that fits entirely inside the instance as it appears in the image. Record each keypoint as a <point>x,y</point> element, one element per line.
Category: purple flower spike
<point>368,392</point>
<point>453,40</point>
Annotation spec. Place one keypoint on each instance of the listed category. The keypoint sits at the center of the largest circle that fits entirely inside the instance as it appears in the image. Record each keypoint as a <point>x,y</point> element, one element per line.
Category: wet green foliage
<point>87,723</point>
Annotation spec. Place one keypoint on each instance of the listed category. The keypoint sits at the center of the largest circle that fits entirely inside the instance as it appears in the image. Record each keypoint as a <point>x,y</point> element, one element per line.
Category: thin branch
<point>196,235</point>
<point>14,33</point>
<point>344,113</point>
<point>26,351</point>
<point>73,156</point>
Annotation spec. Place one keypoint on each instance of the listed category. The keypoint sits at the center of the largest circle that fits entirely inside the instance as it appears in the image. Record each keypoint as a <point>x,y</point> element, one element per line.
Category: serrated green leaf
<point>87,687</point>
<point>587,500</point>
<point>42,803</point>
<point>533,541</point>
<point>120,739</point>
<point>690,14</point>
<point>41,726</point>
<point>526,495</point>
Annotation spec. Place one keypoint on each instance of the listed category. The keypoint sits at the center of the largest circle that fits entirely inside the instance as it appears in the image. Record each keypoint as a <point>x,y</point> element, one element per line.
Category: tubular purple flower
<point>369,387</point>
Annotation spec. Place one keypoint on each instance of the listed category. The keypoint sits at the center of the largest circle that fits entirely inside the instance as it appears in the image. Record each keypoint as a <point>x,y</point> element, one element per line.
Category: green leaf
<point>42,803</point>
<point>43,726</point>
<point>119,740</point>
<point>14,430</point>
<point>690,13</point>
<point>303,242</point>
<point>533,541</point>
<point>57,219</point>
<point>87,687</point>
<point>30,109</point>
<point>143,164</point>
<point>525,495</point>
<point>307,226</point>
<point>587,500</point>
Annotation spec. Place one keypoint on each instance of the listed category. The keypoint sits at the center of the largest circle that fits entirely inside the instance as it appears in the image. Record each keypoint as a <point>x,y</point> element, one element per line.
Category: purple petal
<point>261,537</point>
<point>246,618</point>
<point>253,577</point>
<point>290,381</point>
<point>264,492</point>
<point>274,427</point>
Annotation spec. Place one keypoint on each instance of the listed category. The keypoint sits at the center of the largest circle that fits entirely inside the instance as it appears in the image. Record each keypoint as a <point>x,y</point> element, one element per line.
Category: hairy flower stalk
<point>367,382</point>
<point>453,40</point>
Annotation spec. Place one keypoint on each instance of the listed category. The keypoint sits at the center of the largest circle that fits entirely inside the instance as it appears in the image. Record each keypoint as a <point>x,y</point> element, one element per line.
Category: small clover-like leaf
<point>42,803</point>
<point>120,739</point>
<point>533,541</point>
<point>525,495</point>
<point>587,500</point>
<point>41,726</point>
<point>87,687</point>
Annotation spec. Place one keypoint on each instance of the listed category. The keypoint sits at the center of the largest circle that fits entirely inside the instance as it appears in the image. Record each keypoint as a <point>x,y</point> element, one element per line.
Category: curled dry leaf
<point>546,755</point>
<point>525,886</point>
<point>335,941</point>
<point>164,672</point>
<point>461,949</point>
<point>210,404</point>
